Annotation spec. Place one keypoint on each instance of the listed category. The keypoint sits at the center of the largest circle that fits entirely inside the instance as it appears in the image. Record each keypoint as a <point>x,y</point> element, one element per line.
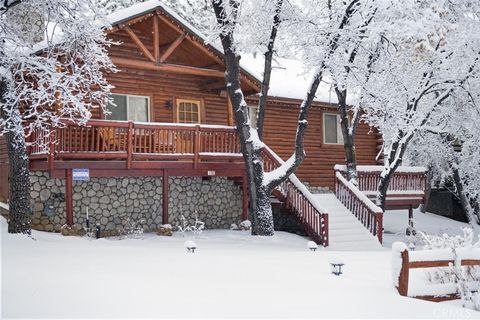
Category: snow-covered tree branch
<point>53,55</point>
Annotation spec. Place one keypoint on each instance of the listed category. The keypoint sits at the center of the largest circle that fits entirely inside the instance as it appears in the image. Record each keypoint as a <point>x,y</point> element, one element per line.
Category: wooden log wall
<point>164,88</point>
<point>317,168</point>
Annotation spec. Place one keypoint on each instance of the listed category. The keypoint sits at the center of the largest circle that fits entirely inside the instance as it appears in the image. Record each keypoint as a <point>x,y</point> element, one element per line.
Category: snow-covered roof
<point>140,9</point>
<point>291,79</point>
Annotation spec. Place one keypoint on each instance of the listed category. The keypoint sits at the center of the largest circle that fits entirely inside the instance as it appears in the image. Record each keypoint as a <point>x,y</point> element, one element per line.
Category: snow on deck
<point>231,274</point>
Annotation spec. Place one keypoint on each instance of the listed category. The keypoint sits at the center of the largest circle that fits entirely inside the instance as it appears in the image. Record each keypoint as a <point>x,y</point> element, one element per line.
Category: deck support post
<point>244,198</point>
<point>410,216</point>
<point>165,197</point>
<point>68,196</point>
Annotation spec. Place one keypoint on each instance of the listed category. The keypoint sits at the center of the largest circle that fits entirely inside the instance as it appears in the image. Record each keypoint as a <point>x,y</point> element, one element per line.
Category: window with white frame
<point>253,115</point>
<point>332,132</point>
<point>129,107</point>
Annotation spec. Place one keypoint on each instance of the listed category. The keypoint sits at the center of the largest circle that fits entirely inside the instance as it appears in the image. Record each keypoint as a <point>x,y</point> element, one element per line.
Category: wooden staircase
<point>296,198</point>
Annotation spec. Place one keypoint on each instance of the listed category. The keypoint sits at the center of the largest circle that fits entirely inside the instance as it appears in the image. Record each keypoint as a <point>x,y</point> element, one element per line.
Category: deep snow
<point>231,274</point>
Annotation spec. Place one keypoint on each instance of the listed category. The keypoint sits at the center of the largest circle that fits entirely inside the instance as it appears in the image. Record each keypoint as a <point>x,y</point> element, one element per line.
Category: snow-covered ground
<point>232,274</point>
<point>396,222</point>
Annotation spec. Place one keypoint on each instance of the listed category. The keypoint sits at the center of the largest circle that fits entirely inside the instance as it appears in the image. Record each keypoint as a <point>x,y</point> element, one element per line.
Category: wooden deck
<point>113,148</point>
<point>126,148</point>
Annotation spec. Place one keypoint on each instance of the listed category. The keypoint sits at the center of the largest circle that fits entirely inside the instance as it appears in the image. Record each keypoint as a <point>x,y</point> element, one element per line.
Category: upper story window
<point>332,132</point>
<point>253,113</point>
<point>188,111</point>
<point>129,107</point>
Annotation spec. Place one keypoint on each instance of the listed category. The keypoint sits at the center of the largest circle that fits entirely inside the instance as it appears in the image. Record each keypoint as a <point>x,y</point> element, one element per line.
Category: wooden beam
<point>202,47</point>
<point>129,23</point>
<point>139,43</point>
<point>156,39</point>
<point>180,30</point>
<point>165,197</point>
<point>173,68</point>
<point>216,85</point>
<point>172,47</point>
<point>68,197</point>
<point>230,120</point>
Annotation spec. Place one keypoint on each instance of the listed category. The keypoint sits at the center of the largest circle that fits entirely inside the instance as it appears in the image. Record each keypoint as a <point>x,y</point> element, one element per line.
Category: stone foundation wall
<point>116,202</point>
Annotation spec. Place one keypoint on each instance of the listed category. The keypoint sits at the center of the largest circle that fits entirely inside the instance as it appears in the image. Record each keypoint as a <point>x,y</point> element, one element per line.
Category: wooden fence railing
<point>370,215</point>
<point>406,180</point>
<point>415,260</point>
<point>127,140</point>
<point>299,200</point>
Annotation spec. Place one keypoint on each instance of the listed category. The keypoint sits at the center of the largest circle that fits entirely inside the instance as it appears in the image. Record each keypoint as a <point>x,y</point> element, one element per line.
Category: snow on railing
<point>409,180</point>
<point>297,198</point>
<point>128,140</point>
<point>404,260</point>
<point>369,214</point>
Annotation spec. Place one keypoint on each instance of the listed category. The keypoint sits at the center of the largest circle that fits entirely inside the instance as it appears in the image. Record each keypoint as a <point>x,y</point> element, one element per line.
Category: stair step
<point>345,230</point>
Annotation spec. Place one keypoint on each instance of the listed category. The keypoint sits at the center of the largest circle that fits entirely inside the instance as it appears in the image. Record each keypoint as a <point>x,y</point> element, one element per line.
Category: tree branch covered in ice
<point>430,56</point>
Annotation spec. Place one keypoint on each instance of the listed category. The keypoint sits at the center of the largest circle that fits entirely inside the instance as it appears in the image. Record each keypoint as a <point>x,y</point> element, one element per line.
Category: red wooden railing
<point>127,140</point>
<point>406,180</point>
<point>130,141</point>
<point>468,257</point>
<point>370,215</point>
<point>299,200</point>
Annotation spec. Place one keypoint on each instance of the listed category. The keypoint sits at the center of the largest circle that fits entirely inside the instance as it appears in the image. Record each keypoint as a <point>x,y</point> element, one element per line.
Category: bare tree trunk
<point>469,212</point>
<point>19,211</point>
<point>393,161</point>
<point>348,132</point>
<point>251,144</point>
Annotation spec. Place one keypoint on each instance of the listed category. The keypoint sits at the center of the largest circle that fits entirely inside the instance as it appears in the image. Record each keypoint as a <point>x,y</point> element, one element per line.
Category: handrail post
<point>196,146</point>
<point>129,144</point>
<point>324,228</point>
<point>404,275</point>
<point>51,151</point>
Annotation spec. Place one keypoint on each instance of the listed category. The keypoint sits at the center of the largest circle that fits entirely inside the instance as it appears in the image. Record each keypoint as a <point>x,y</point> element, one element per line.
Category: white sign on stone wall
<point>81,174</point>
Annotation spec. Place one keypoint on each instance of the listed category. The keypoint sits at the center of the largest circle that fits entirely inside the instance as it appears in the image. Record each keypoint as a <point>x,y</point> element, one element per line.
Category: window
<point>188,111</point>
<point>332,132</point>
<point>128,107</point>
<point>253,113</point>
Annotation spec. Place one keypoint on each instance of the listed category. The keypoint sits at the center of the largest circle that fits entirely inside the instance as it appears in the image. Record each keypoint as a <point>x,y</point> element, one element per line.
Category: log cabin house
<point>169,147</point>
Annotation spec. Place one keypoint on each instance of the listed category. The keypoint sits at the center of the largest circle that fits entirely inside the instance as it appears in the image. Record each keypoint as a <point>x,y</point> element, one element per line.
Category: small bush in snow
<point>131,230</point>
<point>245,225</point>
<point>197,228</point>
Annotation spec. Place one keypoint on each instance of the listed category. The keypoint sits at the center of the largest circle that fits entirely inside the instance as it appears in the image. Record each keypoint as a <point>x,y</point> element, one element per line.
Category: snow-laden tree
<point>52,58</point>
<point>253,26</point>
<point>450,148</point>
<point>357,44</point>
<point>428,55</point>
